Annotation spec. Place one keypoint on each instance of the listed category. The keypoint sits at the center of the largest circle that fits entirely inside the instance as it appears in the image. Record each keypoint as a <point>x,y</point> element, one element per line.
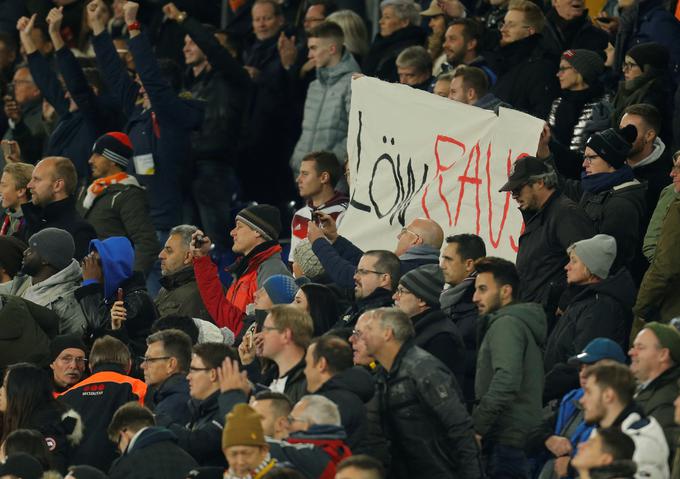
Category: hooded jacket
<point>350,390</point>
<point>600,310</point>
<point>326,114</point>
<point>153,455</point>
<point>429,429</point>
<point>509,380</point>
<point>56,293</point>
<point>653,171</point>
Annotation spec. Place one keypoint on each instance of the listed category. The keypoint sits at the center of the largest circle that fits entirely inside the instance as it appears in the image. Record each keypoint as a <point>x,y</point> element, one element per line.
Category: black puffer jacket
<point>430,431</point>
<point>350,390</point>
<point>600,310</point>
<point>381,57</point>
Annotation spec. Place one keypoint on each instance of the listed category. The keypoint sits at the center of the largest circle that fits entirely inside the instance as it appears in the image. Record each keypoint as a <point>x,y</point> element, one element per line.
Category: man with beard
<point>462,42</point>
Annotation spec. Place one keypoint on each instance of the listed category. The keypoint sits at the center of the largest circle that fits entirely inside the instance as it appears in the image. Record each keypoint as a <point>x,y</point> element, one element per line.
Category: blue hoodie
<point>118,258</point>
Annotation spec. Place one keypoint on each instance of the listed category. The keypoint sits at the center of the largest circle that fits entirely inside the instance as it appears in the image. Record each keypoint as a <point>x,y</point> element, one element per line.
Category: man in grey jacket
<point>49,278</point>
<point>326,114</point>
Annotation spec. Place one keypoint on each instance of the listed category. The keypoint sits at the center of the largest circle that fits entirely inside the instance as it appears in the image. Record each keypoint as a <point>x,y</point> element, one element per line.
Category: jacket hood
<point>421,252</point>
<point>118,258</point>
<point>659,148</point>
<point>619,286</point>
<point>356,379</point>
<point>60,283</point>
<point>346,66</point>
<point>152,435</point>
<point>622,468</point>
<point>531,314</point>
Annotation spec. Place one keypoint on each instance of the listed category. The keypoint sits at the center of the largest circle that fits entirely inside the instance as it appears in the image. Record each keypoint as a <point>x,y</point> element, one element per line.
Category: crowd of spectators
<point>176,300</point>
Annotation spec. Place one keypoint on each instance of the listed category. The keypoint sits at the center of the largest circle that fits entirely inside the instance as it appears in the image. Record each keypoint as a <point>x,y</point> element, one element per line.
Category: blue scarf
<point>600,182</point>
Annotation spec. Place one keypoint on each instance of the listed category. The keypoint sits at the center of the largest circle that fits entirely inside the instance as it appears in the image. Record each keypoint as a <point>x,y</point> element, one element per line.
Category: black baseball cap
<point>523,169</point>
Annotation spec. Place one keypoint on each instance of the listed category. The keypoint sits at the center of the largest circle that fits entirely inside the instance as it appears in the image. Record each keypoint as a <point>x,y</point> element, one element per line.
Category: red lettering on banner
<point>440,169</point>
<point>474,180</point>
<point>506,206</point>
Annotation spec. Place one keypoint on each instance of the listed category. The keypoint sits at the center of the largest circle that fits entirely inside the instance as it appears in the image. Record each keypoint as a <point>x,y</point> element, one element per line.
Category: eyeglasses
<point>401,291</point>
<point>72,359</point>
<point>144,359</point>
<point>629,66</point>
<point>510,25</point>
<point>589,158</point>
<point>357,333</point>
<point>406,230</point>
<point>364,272</point>
<point>564,69</point>
<point>292,418</point>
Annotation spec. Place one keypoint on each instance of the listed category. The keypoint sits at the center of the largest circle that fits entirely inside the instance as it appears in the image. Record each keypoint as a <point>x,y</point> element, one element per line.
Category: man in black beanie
<point>115,203</point>
<point>255,238</point>
<point>68,356</point>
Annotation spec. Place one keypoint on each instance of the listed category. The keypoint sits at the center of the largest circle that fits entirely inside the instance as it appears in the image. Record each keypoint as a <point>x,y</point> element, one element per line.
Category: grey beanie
<point>55,246</point>
<point>425,282</point>
<point>597,253</point>
<point>304,257</point>
<point>588,63</point>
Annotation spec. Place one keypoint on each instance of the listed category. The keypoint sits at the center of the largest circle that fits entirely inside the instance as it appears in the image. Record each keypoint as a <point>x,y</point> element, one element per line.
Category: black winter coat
<point>430,431</point>
<point>526,76</point>
<point>171,398</point>
<point>155,455</point>
<point>382,55</point>
<point>61,214</point>
<point>350,390</point>
<point>377,299</point>
<point>600,310</point>
<point>560,35</point>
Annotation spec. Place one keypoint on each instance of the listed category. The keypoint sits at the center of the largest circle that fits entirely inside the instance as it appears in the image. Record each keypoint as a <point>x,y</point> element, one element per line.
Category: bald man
<point>418,243</point>
<point>53,205</point>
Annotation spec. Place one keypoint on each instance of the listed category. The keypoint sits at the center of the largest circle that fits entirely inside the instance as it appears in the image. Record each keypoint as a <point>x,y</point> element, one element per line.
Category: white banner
<point>414,154</point>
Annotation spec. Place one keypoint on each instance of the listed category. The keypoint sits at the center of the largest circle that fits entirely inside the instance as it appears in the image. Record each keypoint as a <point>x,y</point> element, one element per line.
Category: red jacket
<point>230,309</point>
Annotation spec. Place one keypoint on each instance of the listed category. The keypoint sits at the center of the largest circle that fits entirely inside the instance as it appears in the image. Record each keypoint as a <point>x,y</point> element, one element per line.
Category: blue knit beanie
<point>280,288</point>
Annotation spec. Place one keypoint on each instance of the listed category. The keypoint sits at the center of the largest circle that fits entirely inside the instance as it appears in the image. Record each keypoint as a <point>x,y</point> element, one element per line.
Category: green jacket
<point>509,380</point>
<point>667,196</point>
<point>658,298</point>
<point>657,399</point>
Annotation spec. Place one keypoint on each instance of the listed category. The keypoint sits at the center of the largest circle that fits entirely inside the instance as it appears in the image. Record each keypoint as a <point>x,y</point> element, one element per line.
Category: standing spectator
<point>69,357</point>
<point>360,466</point>
<point>179,292</point>
<point>668,194</point>
<point>274,409</point>
<point>255,238</point>
<point>509,377</point>
<point>354,32</point>
<point>462,46</point>
<point>14,193</point>
<point>458,266</point>
<point>399,29</point>
<point>470,85</point>
<point>23,109</point>
<point>99,396</point>
<point>330,373</point>
<point>50,278</point>
<point>319,173</point>
<point>147,451</point>
<point>165,365</point>
<point>11,254</point>
<point>115,204</point>
<point>553,223</point>
<point>607,454</point>
<point>525,70</point>
<point>414,67</point>
<point>601,308</point>
<point>215,77</point>
<point>418,296</point>
<point>568,27</point>
<point>429,429</point>
<point>655,359</point>
<point>326,114</point>
<point>442,84</point>
<point>53,204</point>
<point>436,20</point>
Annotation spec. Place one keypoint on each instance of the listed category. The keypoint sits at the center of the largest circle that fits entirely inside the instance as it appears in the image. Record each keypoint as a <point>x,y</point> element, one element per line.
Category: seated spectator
<point>458,267</point>
<point>14,193</point>
<point>255,238</point>
<point>68,354</point>
<point>11,257</point>
<point>569,428</point>
<point>285,335</point>
<point>274,409</point>
<point>399,29</point>
<point>319,173</point>
<point>306,265</point>
<point>99,396</point>
<point>436,21</point>
<point>28,403</point>
<point>607,454</point>
<point>21,465</point>
<point>463,44</point>
<point>442,84</point>
<point>568,27</point>
<point>28,330</point>
<point>654,359</point>
<point>200,437</point>
<point>179,293</point>
<point>526,72</point>
<point>608,403</point>
<point>53,205</point>
<point>29,441</point>
<point>326,111</point>
<point>50,277</point>
<point>147,451</point>
<point>166,365</point>
<point>330,373</point>
<point>469,85</point>
<point>418,296</point>
<point>321,303</point>
<point>277,289</point>
<point>115,204</point>
<point>414,67</point>
<point>572,111</point>
<point>113,296</point>
<point>601,308</point>
<point>428,412</point>
<point>354,30</point>
<point>360,466</point>
<point>417,244</point>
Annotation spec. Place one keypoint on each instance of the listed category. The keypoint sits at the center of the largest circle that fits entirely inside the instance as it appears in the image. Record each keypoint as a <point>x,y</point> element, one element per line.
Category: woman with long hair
<point>321,303</point>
